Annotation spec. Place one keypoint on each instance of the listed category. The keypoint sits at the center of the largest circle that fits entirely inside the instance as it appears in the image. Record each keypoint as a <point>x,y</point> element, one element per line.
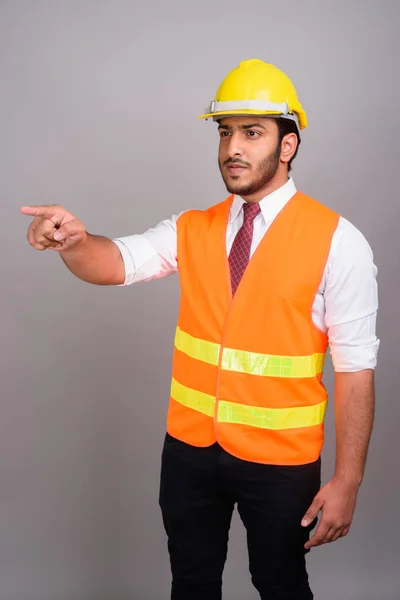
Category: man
<point>269,278</point>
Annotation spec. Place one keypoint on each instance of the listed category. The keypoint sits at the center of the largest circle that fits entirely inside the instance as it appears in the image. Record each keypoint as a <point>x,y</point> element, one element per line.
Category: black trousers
<point>198,490</point>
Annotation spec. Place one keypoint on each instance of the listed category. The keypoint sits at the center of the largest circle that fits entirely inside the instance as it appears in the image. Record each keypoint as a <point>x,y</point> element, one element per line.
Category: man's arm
<point>354,415</point>
<point>94,259</point>
<point>97,259</point>
<point>351,303</point>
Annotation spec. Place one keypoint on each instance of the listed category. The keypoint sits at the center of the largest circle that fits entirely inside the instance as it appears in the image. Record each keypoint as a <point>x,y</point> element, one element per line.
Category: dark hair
<point>286,126</point>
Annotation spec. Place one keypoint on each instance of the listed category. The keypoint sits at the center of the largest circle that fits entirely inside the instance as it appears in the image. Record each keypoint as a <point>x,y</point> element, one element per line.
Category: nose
<point>234,146</point>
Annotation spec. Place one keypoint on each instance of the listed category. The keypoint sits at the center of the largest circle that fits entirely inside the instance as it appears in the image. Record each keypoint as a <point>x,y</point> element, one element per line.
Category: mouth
<point>235,169</point>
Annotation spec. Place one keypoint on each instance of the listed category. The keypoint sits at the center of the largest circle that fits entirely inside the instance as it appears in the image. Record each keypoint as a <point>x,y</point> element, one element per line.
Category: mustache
<point>230,161</point>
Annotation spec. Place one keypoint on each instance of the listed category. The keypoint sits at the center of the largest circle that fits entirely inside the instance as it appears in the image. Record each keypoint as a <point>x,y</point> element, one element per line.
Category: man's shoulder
<point>315,204</point>
<point>204,214</point>
<point>350,239</point>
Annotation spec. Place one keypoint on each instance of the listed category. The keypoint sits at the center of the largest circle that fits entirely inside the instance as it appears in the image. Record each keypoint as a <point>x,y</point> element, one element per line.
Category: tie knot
<point>250,210</point>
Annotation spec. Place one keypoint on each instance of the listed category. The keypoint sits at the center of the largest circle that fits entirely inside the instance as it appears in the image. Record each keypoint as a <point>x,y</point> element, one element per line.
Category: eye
<point>253,134</point>
<point>224,134</point>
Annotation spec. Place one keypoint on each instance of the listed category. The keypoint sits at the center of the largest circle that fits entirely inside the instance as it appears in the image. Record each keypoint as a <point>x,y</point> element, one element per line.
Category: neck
<point>276,182</point>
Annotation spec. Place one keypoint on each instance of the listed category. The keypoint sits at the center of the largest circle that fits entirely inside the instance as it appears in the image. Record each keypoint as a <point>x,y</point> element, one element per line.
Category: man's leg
<point>271,502</point>
<point>197,514</point>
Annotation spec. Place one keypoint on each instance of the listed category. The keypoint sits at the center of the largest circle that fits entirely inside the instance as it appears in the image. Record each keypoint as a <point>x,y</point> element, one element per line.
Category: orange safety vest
<point>247,371</point>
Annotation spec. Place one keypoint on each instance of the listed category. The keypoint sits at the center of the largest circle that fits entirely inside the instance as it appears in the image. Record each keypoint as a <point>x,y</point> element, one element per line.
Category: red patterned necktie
<point>240,253</point>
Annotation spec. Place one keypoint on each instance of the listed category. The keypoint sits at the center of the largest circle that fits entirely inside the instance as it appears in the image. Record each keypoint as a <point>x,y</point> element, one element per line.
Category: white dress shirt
<point>346,303</point>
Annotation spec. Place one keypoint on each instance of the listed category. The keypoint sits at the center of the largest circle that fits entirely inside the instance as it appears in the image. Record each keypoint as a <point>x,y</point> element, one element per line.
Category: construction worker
<point>269,278</point>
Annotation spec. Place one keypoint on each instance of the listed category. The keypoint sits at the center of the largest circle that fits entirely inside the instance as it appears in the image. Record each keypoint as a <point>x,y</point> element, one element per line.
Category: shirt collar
<point>271,205</point>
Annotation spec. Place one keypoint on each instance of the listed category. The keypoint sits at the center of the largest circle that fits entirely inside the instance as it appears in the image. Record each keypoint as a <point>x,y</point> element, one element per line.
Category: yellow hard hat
<point>257,88</point>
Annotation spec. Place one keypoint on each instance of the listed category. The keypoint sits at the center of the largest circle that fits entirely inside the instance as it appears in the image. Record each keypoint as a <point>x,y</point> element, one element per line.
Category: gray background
<point>99,104</point>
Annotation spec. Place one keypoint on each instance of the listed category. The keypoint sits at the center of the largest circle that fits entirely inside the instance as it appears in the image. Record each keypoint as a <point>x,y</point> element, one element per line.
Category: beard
<point>266,171</point>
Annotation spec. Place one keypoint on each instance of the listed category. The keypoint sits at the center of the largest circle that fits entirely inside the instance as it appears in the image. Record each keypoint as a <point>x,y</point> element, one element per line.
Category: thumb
<point>313,511</point>
<point>69,229</point>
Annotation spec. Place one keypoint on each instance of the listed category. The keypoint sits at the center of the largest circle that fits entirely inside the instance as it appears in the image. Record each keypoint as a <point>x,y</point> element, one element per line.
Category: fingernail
<point>58,236</point>
<point>304,522</point>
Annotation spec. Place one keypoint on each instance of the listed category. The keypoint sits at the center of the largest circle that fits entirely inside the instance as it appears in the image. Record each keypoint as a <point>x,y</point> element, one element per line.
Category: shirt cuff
<point>136,251</point>
<point>128,262</point>
<point>354,358</point>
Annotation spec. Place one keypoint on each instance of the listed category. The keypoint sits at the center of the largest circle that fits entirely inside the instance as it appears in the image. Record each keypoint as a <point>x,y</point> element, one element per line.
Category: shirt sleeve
<point>150,255</point>
<point>351,301</point>
<point>354,345</point>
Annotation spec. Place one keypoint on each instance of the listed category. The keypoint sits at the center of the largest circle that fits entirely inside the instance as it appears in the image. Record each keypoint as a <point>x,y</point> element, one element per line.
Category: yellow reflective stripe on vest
<point>199,401</point>
<point>252,363</point>
<point>271,418</point>
<point>195,348</point>
<point>241,414</point>
<point>272,365</point>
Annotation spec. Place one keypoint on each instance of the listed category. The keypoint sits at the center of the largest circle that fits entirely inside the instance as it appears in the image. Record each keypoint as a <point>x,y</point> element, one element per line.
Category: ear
<point>288,147</point>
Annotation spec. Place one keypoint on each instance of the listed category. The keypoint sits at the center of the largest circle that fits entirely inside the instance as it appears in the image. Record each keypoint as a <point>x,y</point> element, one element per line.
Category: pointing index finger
<point>38,211</point>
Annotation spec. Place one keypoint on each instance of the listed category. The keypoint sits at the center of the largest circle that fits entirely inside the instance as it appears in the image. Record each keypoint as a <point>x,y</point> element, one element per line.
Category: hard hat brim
<point>216,116</point>
<point>242,112</point>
